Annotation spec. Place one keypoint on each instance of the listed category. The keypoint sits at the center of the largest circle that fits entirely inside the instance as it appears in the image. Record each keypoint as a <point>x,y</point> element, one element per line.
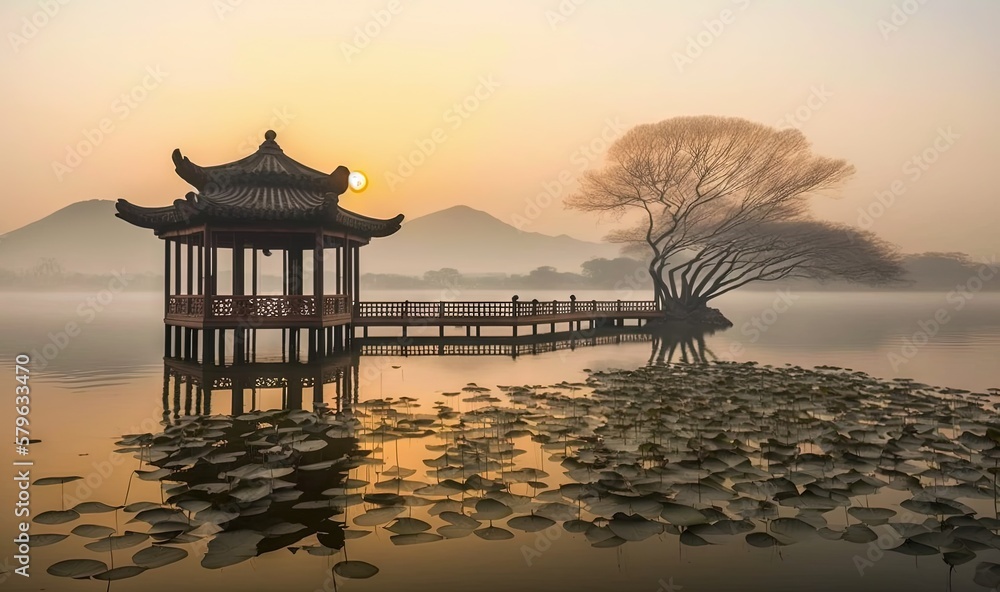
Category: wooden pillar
<point>339,287</point>
<point>345,252</point>
<point>178,290</point>
<point>239,289</point>
<point>356,265</point>
<point>177,268</point>
<point>284,272</point>
<point>318,292</point>
<point>239,345</point>
<point>166,297</point>
<point>294,400</point>
<point>214,277</point>
<point>295,289</point>
<point>189,288</point>
<point>208,334</point>
<point>201,276</point>
<point>342,269</point>
<point>239,269</point>
<point>295,271</point>
<point>222,347</point>
<point>254,279</point>
<point>318,390</point>
<point>237,400</point>
<point>254,272</point>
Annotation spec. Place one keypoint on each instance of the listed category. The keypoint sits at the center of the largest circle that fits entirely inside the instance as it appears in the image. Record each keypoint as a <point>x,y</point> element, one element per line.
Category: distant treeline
<point>927,271</point>
<point>28,281</point>
<point>611,274</point>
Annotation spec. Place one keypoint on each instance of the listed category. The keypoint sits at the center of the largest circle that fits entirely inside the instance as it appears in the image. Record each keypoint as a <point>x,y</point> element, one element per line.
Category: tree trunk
<point>692,310</point>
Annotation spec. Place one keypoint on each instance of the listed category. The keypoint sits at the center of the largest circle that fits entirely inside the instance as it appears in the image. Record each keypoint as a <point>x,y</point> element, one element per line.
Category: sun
<point>357,181</point>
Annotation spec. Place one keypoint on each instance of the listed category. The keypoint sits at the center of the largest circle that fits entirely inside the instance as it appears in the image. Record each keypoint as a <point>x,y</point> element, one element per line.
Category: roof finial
<point>270,135</point>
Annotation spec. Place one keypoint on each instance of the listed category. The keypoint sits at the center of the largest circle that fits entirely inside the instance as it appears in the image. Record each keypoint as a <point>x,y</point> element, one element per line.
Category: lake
<point>107,381</point>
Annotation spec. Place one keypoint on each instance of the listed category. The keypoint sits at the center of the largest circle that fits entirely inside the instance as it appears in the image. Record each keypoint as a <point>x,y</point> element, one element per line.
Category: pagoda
<point>269,205</point>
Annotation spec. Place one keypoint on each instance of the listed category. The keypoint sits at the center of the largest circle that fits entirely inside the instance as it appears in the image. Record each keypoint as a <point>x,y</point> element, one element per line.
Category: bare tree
<point>722,202</point>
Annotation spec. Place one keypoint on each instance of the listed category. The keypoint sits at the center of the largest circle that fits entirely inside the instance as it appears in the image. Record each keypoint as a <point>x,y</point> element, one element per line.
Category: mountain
<point>85,237</point>
<point>473,241</point>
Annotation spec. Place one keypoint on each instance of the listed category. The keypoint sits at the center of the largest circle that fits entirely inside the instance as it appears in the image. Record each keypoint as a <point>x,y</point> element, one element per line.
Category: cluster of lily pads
<point>706,453</point>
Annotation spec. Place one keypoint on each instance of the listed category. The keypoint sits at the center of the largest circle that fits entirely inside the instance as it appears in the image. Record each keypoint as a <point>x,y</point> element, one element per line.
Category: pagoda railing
<point>272,307</point>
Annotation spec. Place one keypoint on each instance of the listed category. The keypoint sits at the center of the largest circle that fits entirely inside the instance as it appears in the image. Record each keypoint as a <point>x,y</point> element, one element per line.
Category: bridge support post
<point>513,301</point>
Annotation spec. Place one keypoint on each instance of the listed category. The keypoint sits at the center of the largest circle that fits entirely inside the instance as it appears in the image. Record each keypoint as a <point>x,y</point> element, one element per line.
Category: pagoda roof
<point>267,186</point>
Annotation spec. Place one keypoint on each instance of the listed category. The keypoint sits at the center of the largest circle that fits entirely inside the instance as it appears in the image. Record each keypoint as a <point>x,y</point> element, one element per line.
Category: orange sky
<point>502,95</point>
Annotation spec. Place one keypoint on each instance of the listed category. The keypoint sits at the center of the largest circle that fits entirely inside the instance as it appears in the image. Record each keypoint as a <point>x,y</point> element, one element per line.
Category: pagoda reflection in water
<point>190,388</point>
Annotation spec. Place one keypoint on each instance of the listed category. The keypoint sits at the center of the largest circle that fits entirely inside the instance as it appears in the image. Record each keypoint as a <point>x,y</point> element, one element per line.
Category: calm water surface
<point>108,381</point>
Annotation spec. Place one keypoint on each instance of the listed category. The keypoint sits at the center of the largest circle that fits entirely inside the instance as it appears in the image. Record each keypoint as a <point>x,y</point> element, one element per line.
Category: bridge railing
<point>278,306</point>
<point>497,309</point>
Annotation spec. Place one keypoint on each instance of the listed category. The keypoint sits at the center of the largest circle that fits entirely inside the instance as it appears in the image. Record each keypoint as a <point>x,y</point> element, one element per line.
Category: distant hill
<point>85,237</point>
<point>473,241</point>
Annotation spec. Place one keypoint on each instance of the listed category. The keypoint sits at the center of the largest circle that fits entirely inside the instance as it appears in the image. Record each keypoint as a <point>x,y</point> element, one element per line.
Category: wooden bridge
<point>474,315</point>
<point>333,322</point>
